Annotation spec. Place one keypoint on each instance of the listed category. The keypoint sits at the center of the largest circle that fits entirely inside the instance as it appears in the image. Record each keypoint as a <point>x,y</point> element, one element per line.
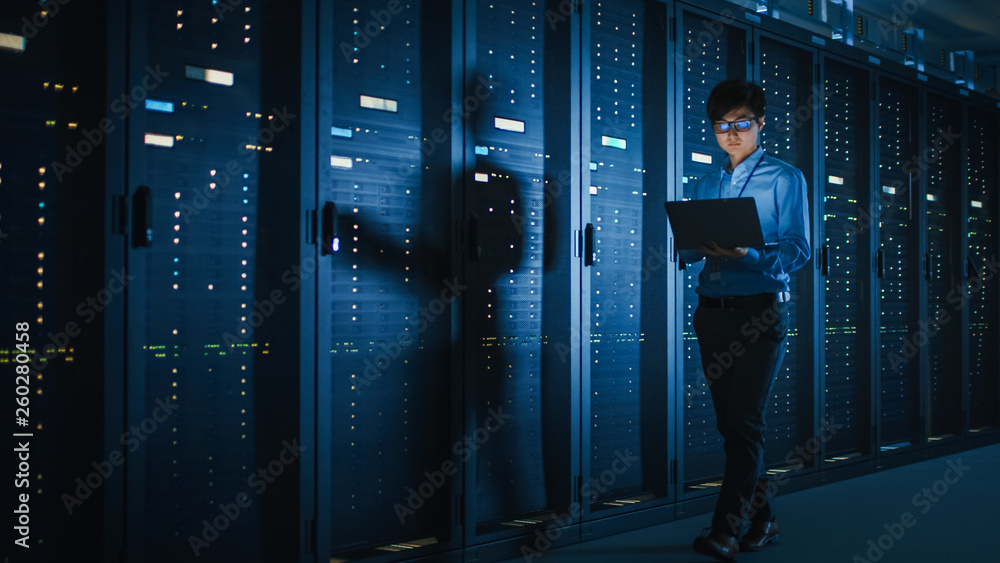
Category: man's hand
<point>715,250</point>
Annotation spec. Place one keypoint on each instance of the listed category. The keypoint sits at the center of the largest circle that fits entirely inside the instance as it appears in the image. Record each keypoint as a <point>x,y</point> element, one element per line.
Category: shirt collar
<point>748,162</point>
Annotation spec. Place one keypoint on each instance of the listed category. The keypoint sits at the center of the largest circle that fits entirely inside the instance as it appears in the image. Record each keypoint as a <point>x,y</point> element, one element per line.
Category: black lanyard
<point>759,160</point>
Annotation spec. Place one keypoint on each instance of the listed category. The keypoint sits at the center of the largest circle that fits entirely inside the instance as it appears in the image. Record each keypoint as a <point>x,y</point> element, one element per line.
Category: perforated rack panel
<point>617,196</point>
<point>200,151</point>
<point>846,200</point>
<point>944,252</point>
<point>54,294</point>
<point>786,77</point>
<point>504,312</point>
<point>897,218</point>
<point>391,294</point>
<point>981,275</point>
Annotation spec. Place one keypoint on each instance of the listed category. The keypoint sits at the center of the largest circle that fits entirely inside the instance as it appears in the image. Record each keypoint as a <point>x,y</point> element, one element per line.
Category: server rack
<point>627,402</point>
<point>786,70</point>
<point>979,289</point>
<point>59,292</point>
<point>846,261</point>
<point>196,130</point>
<point>517,310</point>
<point>897,267</point>
<point>386,286</point>
<point>713,49</point>
<point>941,196</point>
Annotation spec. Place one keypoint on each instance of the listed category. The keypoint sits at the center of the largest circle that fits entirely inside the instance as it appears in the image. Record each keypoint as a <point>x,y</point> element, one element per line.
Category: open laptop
<point>730,222</point>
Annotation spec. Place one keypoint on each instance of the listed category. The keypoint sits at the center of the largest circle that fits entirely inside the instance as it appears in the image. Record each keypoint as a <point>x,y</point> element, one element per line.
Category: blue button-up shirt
<point>779,190</point>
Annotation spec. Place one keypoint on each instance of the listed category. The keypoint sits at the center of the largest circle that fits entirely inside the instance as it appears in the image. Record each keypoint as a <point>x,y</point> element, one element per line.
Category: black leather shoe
<point>719,545</point>
<point>759,534</point>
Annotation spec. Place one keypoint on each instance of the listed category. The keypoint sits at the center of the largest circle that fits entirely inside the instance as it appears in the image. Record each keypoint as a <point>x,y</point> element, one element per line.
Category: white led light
<point>13,42</point>
<point>701,157</point>
<point>209,75</point>
<point>157,140</point>
<point>341,162</point>
<point>382,104</point>
<point>505,124</point>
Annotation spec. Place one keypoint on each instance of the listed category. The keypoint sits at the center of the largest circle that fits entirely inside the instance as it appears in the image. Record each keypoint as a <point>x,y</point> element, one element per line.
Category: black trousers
<point>741,353</point>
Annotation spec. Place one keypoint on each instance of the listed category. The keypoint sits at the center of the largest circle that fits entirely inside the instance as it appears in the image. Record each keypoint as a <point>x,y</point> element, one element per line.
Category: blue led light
<point>341,132</point>
<point>160,106</point>
<point>482,151</point>
<point>613,142</point>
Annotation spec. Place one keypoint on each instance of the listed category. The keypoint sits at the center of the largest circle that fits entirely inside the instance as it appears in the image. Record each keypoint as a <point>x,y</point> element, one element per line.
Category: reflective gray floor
<point>845,522</point>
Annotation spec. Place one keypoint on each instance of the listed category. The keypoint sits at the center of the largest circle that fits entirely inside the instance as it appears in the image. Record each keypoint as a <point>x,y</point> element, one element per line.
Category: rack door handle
<point>329,238</point>
<point>589,254</point>
<point>475,248</point>
<point>824,259</point>
<point>927,266</point>
<point>142,218</point>
<point>971,272</point>
<point>880,263</point>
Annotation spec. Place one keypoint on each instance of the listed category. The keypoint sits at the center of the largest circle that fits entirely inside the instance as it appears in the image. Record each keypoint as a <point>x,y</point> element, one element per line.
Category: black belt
<point>759,300</point>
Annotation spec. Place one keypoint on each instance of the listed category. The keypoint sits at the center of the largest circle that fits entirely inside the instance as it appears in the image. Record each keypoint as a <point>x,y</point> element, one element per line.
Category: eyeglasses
<point>741,125</point>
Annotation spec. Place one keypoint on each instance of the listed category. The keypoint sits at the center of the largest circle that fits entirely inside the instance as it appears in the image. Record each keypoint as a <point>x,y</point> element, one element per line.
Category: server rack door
<point>942,269</point>
<point>786,74</point>
<point>846,255</point>
<point>712,50</point>
<point>517,199</point>
<point>627,459</point>
<point>981,267</point>
<point>387,294</point>
<point>195,124</point>
<point>897,267</point>
<point>59,294</point>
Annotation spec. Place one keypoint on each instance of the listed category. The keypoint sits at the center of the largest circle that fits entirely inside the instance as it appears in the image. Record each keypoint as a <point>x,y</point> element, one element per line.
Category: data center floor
<point>952,504</point>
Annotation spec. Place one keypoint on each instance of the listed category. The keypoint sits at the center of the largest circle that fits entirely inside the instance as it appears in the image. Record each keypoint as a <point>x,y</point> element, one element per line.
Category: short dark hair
<point>734,94</point>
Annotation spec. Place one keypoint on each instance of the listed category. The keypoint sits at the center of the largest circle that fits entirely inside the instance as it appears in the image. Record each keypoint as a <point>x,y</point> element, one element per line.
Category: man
<point>742,311</point>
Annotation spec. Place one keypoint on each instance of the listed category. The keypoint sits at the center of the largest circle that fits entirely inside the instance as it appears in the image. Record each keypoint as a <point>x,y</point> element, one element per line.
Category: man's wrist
<point>751,257</point>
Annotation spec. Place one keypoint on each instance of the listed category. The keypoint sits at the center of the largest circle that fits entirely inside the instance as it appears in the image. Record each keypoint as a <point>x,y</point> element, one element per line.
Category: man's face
<point>738,143</point>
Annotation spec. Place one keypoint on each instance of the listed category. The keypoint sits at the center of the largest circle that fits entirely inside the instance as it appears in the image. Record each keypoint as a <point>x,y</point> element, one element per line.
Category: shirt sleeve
<point>690,256</point>
<point>793,249</point>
